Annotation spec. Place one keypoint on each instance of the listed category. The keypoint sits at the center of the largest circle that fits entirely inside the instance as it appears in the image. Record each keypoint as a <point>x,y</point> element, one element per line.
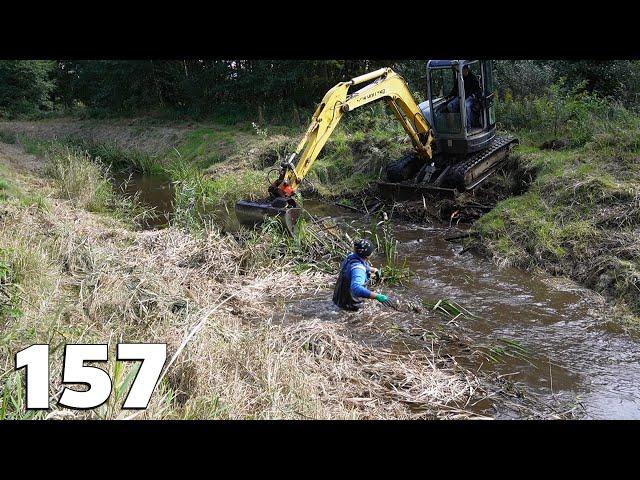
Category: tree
<point>26,87</point>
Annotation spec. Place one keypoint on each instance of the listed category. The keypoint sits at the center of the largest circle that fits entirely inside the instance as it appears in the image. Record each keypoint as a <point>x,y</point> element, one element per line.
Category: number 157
<point>36,361</point>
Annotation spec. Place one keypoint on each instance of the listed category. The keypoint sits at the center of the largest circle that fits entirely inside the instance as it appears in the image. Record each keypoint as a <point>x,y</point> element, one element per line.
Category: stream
<point>576,356</point>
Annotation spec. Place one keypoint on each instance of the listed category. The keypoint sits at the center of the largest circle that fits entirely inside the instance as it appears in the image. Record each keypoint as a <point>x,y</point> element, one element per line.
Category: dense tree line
<point>199,88</point>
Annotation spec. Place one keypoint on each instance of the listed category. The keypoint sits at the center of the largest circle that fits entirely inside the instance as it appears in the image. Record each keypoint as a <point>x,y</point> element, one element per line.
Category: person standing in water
<point>355,273</point>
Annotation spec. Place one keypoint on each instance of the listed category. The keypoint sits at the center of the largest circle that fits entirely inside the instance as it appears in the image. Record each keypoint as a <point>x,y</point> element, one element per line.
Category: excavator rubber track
<point>470,173</point>
<point>463,176</point>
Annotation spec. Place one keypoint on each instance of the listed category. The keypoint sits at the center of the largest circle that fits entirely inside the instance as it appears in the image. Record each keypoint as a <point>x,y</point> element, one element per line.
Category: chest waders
<point>342,295</point>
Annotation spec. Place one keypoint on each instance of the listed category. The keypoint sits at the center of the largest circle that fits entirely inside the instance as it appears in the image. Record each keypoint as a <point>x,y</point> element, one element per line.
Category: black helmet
<point>363,247</point>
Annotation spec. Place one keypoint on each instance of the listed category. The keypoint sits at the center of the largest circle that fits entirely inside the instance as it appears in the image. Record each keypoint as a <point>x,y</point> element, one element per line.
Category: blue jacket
<point>360,271</point>
<point>351,285</point>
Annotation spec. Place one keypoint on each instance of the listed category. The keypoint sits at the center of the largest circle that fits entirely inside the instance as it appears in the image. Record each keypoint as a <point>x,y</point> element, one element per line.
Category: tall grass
<point>118,157</point>
<point>564,112</point>
<point>200,198</point>
<point>13,400</point>
<point>87,182</point>
<point>80,179</point>
<point>394,270</point>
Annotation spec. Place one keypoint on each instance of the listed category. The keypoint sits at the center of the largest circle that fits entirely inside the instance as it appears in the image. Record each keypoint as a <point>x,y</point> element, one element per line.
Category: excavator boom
<point>378,85</point>
<point>381,84</point>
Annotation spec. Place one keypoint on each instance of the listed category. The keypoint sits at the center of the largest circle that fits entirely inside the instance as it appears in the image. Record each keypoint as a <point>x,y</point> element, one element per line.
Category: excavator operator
<point>355,272</point>
<point>471,87</point>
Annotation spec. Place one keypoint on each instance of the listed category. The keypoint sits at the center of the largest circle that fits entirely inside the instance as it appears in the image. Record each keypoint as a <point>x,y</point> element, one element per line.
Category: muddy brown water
<point>578,357</point>
<point>152,191</point>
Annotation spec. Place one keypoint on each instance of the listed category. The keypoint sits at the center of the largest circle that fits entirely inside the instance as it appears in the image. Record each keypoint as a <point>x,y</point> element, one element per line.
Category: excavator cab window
<point>489,92</point>
<point>477,113</point>
<point>443,83</point>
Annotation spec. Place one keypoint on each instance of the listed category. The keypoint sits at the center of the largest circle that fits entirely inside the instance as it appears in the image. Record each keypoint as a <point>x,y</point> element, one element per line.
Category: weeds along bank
<point>73,269</point>
<point>214,165</point>
<point>580,216</point>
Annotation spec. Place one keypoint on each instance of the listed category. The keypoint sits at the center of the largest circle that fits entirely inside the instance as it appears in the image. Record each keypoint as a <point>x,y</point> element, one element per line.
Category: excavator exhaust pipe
<point>251,214</point>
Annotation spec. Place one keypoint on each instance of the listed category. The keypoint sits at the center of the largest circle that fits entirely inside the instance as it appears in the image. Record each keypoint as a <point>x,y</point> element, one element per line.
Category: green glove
<point>383,299</point>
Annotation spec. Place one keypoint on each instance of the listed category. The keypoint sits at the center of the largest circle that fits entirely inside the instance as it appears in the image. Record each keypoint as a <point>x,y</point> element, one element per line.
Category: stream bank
<point>73,276</point>
<point>578,362</point>
<point>551,315</point>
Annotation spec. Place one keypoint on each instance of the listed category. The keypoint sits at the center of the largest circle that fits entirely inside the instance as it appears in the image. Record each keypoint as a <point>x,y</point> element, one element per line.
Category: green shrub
<point>569,113</point>
<point>26,87</point>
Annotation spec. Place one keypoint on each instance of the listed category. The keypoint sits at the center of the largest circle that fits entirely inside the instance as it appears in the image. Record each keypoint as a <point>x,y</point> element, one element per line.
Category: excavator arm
<point>380,84</point>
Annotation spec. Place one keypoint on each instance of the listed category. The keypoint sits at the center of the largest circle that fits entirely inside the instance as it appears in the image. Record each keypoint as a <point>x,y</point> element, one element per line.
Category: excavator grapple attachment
<point>251,213</point>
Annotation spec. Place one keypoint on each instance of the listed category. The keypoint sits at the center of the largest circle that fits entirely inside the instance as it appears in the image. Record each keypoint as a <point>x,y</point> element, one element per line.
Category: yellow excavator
<point>455,146</point>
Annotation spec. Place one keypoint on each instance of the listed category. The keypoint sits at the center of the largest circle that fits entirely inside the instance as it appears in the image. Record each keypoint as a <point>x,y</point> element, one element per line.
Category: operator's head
<point>364,248</point>
<point>465,70</point>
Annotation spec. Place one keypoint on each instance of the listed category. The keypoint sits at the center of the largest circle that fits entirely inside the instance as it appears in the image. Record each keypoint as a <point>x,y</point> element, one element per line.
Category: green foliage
<point>207,146</point>
<point>273,91</point>
<point>358,151</point>
<point>447,308</point>
<point>394,270</point>
<point>229,91</point>
<point>618,79</point>
<point>199,198</point>
<point>116,157</point>
<point>497,353</point>
<point>120,86</point>
<point>306,248</point>
<point>562,112</point>
<point>522,78</point>
<point>26,87</point>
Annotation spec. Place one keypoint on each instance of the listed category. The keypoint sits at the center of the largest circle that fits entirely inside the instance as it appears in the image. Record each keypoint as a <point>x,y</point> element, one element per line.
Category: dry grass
<point>80,179</point>
<point>377,382</point>
<point>93,280</point>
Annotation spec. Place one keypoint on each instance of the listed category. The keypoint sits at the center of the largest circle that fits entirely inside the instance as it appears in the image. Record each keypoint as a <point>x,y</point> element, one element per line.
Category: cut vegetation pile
<point>71,276</point>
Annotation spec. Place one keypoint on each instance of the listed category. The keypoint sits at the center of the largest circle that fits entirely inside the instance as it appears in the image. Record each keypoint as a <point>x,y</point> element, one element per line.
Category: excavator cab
<point>463,122</point>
